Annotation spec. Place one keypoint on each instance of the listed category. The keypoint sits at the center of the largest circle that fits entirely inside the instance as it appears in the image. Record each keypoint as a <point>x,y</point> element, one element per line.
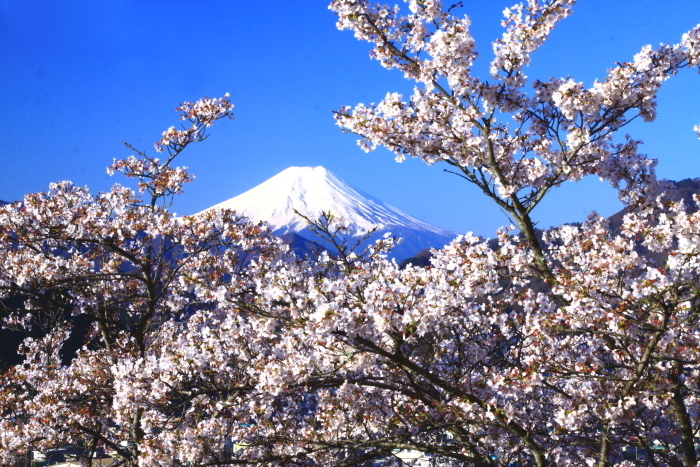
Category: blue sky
<point>78,77</point>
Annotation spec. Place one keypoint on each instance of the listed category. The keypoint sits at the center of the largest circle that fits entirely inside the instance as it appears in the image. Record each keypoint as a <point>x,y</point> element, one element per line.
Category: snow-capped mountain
<point>314,190</point>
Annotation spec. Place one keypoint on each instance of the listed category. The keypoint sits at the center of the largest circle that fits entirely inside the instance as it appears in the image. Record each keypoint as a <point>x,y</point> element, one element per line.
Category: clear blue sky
<point>78,77</point>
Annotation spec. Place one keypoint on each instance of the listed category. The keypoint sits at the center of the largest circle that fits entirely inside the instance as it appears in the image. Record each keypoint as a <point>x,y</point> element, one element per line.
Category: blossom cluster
<point>512,143</point>
<point>201,114</point>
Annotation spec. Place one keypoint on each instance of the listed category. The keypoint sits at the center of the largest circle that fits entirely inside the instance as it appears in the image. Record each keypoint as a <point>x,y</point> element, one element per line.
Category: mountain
<point>314,190</point>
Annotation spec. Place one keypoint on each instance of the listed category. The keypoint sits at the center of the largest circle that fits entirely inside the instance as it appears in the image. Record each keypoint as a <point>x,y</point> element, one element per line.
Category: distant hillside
<point>686,189</point>
<point>421,259</point>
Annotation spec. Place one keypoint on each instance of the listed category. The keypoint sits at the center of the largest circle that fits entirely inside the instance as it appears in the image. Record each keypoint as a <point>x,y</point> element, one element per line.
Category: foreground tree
<point>143,281</point>
<point>569,348</point>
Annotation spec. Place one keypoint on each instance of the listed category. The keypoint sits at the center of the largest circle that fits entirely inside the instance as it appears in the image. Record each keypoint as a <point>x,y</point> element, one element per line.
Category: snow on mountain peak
<point>315,190</point>
<point>312,191</point>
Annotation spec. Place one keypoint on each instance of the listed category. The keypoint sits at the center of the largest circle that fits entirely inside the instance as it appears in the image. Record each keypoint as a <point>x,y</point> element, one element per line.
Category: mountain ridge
<point>686,189</point>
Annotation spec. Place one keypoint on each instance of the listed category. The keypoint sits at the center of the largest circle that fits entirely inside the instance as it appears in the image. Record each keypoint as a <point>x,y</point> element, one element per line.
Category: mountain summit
<point>314,190</point>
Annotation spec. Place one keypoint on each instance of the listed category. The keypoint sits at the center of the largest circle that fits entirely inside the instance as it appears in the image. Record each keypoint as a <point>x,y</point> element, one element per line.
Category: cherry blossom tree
<point>210,344</point>
<point>570,348</point>
<point>141,278</point>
